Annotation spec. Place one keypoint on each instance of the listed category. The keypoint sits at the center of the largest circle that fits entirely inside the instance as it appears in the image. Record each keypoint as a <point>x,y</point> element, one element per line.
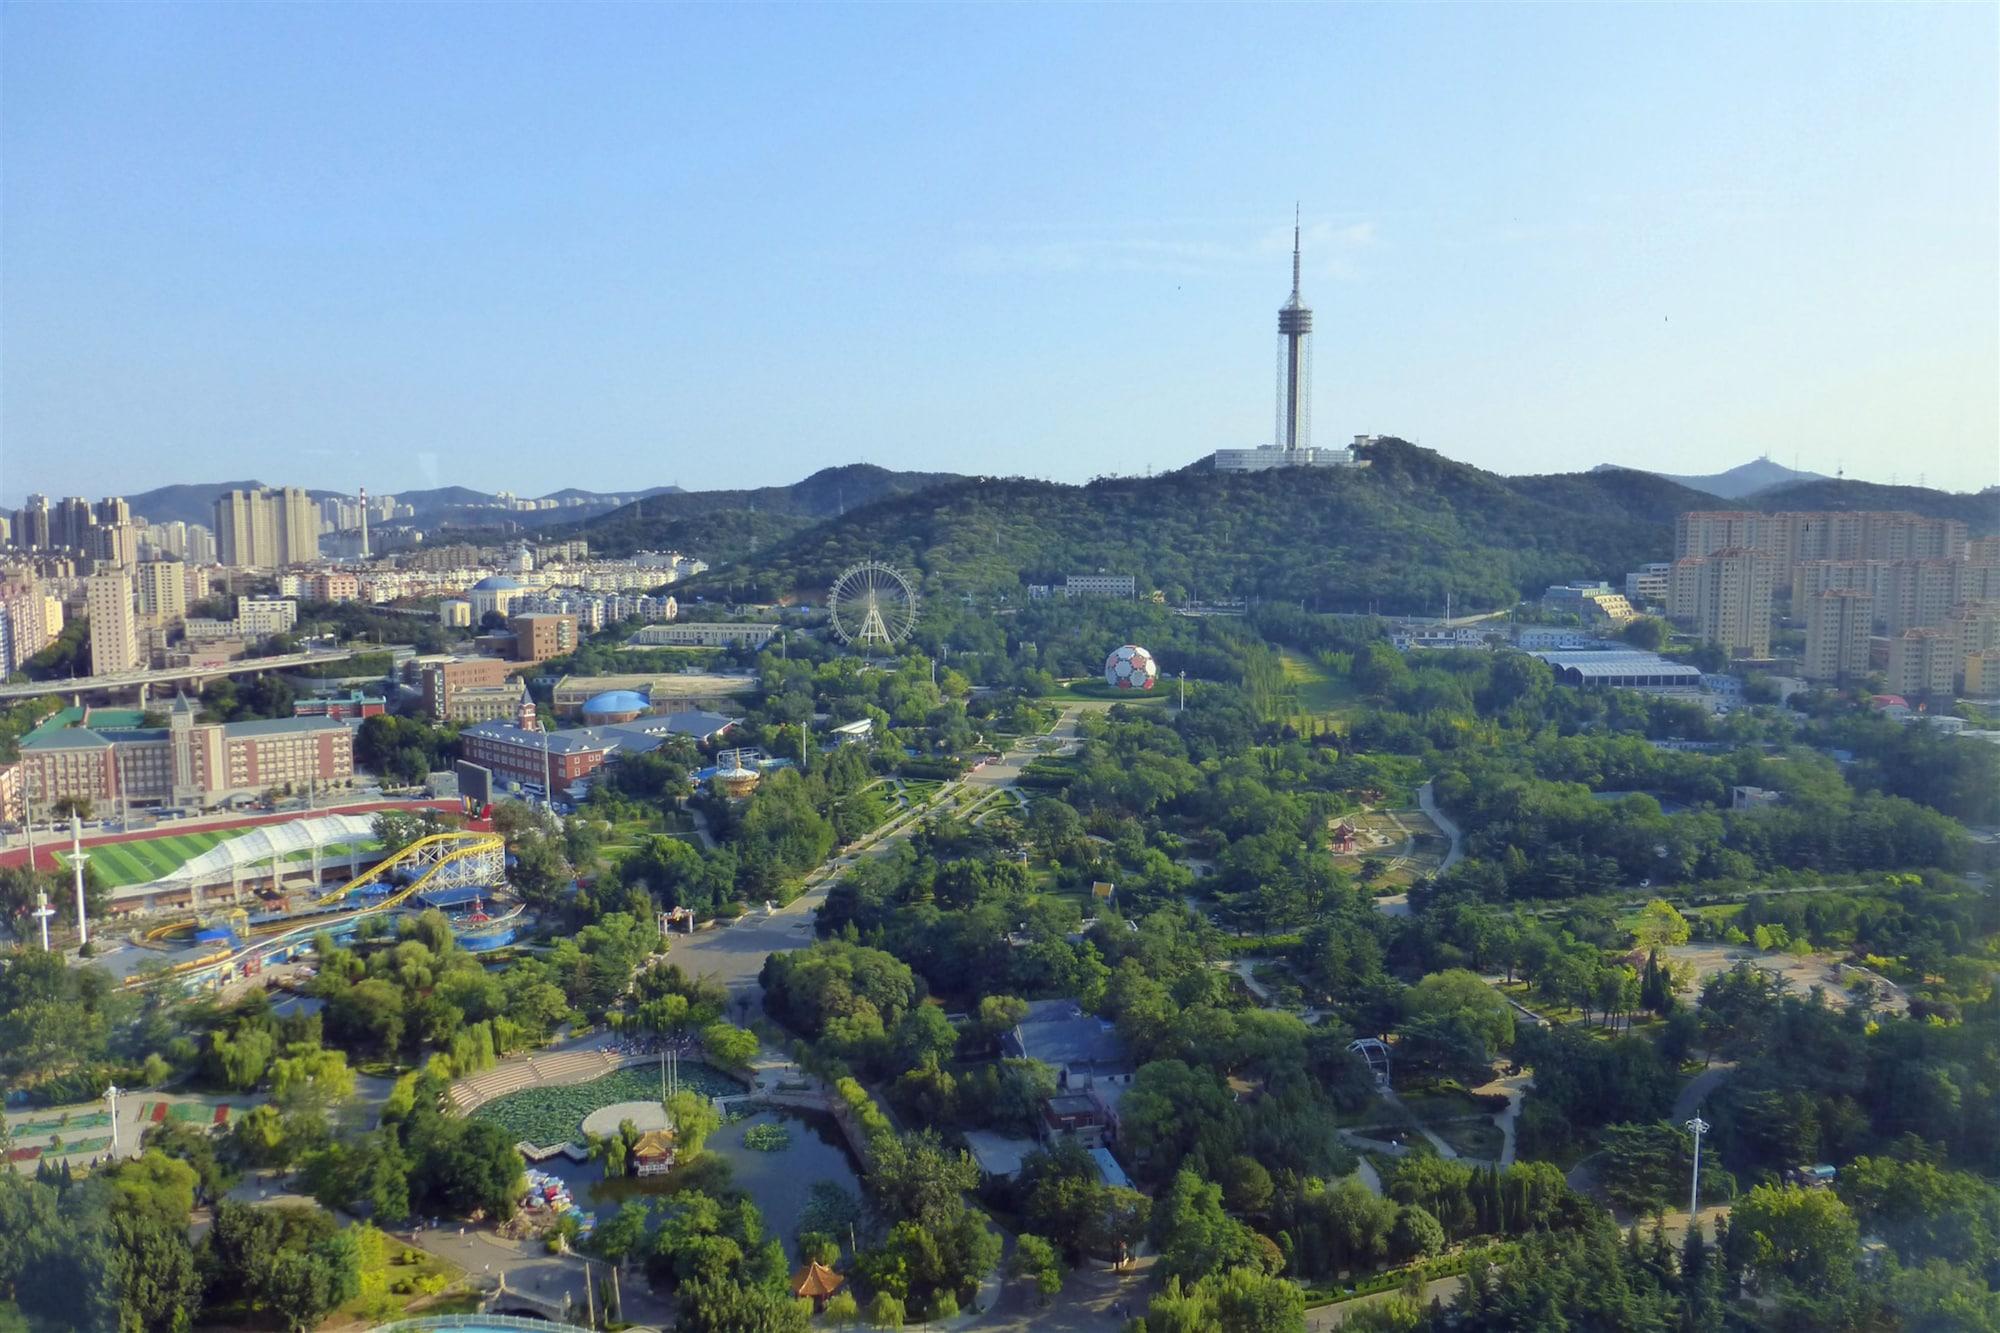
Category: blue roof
<point>617,701</point>
<point>496,583</point>
<point>458,897</point>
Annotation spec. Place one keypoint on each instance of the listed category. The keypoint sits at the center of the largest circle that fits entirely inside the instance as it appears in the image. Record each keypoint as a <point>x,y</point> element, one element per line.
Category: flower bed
<point>547,1116</point>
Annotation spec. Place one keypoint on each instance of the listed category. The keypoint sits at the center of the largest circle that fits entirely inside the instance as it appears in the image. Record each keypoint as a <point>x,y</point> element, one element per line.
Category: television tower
<point>1295,326</point>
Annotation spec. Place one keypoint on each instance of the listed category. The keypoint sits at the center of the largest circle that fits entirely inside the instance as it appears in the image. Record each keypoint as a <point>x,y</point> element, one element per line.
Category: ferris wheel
<point>872,605</point>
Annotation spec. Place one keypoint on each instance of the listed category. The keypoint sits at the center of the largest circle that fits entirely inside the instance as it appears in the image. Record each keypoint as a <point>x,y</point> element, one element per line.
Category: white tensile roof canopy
<point>271,842</point>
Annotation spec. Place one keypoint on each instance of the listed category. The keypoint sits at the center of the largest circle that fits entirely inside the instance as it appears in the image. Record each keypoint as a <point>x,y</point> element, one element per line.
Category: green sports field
<point>121,863</point>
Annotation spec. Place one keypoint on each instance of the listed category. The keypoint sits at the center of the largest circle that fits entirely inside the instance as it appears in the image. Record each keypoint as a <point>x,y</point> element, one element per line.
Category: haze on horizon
<point>526,247</point>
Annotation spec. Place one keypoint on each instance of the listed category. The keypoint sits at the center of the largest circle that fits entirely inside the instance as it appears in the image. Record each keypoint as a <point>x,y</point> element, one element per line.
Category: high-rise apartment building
<point>1916,593</point>
<point>1838,622</point>
<point>23,606</point>
<point>1793,537</point>
<point>266,529</point>
<point>113,509</point>
<point>33,525</point>
<point>114,625</point>
<point>72,522</point>
<point>1724,598</point>
<point>116,543</point>
<point>162,589</point>
<point>1921,662</point>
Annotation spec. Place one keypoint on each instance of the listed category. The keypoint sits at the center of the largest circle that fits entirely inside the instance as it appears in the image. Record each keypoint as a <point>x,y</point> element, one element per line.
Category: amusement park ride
<point>440,861</point>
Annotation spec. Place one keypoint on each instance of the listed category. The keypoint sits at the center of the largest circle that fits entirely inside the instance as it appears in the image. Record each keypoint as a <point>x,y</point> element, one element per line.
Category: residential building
<point>333,585</point>
<point>1724,598</point>
<point>1921,662</point>
<point>261,617</point>
<point>1916,593</point>
<point>266,529</point>
<point>443,680</point>
<point>162,591</point>
<point>699,634</point>
<point>541,636</point>
<point>1974,627</point>
<point>114,623</point>
<point>1792,537</point>
<point>23,611</point>
<point>1982,673</point>
<point>116,543</point>
<point>1838,622</point>
<point>1649,586</point>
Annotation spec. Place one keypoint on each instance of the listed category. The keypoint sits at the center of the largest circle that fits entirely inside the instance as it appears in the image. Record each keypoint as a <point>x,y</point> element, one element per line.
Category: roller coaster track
<point>449,860</point>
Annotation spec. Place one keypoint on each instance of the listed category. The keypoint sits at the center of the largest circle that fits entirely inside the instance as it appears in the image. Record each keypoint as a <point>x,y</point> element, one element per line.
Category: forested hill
<point>730,524</point>
<point>1980,513</point>
<point>1397,535</point>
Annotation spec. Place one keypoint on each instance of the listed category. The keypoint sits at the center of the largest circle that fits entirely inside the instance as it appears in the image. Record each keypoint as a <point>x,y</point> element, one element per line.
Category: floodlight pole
<point>44,911</point>
<point>77,857</point>
<point>1699,1127</point>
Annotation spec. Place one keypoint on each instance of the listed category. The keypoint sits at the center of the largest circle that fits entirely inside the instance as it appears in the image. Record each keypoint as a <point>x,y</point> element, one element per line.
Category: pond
<point>779,1182</point>
<point>554,1115</point>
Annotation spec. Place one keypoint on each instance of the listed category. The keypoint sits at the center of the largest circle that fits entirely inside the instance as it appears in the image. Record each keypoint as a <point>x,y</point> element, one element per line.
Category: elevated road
<point>77,686</point>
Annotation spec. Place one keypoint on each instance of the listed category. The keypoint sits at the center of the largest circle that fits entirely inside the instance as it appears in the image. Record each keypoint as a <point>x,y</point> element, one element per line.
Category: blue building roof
<point>497,583</point>
<point>616,701</point>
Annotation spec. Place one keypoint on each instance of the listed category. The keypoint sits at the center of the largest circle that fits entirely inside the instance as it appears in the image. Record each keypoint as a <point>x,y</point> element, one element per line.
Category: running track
<point>45,849</point>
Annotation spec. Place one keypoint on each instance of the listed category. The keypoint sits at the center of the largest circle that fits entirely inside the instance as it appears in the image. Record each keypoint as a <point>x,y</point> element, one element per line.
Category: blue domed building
<point>615,706</point>
<point>496,593</point>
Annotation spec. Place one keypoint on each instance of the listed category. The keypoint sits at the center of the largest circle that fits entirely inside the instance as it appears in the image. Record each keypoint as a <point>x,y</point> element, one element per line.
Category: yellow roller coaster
<point>447,860</point>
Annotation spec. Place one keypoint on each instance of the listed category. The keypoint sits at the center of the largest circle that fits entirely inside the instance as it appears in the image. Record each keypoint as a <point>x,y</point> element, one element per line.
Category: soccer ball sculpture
<point>1131,668</point>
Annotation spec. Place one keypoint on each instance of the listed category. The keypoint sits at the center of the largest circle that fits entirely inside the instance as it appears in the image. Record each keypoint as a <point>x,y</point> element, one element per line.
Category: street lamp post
<point>1699,1127</point>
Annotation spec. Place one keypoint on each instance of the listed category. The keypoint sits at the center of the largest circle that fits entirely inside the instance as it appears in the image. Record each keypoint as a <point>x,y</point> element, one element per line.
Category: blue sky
<point>525,248</point>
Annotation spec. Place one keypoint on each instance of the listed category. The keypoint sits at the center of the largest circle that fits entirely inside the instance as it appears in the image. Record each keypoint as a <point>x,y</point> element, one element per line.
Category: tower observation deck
<point>1295,325</point>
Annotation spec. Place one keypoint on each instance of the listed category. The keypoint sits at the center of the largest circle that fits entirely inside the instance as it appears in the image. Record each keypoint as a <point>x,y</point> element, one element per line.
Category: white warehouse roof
<point>1627,667</point>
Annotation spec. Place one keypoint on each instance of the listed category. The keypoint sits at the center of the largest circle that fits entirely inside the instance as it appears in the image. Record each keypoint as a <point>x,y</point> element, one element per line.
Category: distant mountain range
<point>454,505</point>
<point>1738,483</point>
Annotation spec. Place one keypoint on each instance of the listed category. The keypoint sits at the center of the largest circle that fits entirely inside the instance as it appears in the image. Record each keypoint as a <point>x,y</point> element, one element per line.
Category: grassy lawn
<point>1319,693</point>
<point>1472,1138</point>
<point>1436,1103</point>
<point>1093,687</point>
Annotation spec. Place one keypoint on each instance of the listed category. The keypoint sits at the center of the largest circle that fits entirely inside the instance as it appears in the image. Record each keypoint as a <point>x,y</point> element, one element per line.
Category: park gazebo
<point>816,1282</point>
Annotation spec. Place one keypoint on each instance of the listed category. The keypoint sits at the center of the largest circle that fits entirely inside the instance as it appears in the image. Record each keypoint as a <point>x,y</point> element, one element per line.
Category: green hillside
<point>732,523</point>
<point>1980,513</point>
<point>1397,535</point>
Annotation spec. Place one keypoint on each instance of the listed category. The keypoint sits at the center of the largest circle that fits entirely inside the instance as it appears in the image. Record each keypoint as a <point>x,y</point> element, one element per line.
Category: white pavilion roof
<point>269,842</point>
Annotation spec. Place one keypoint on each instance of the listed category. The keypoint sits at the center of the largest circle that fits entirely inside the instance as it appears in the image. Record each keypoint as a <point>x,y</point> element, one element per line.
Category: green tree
<point>1797,1245</point>
<point>1035,1259</point>
<point>695,1118</point>
<point>730,1046</point>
